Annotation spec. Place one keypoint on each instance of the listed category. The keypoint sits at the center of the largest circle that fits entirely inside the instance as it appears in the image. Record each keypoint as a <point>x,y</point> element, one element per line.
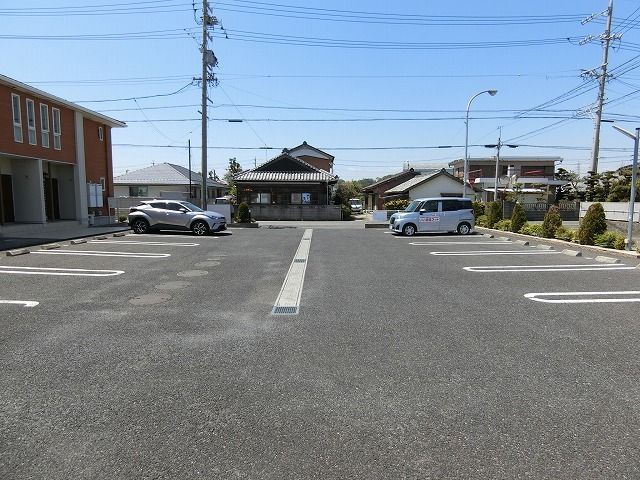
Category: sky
<point>377,84</point>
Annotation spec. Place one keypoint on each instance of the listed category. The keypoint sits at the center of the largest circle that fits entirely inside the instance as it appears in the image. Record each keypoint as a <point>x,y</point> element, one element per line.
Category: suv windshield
<point>191,207</point>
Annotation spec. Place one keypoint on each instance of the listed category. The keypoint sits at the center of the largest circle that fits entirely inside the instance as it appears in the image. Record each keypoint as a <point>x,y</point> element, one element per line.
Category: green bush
<point>593,224</point>
<point>482,221</point>
<point>493,211</point>
<point>610,240</point>
<point>244,216</point>
<point>551,222</point>
<point>478,208</point>
<point>396,204</point>
<point>346,212</point>
<point>122,218</point>
<point>518,218</point>
<point>504,225</point>
<point>566,234</point>
<point>533,230</point>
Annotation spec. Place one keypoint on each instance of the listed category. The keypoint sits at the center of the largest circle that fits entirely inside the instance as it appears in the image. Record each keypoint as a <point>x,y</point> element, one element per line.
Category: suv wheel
<point>464,228</point>
<point>409,230</point>
<point>199,228</point>
<point>140,226</point>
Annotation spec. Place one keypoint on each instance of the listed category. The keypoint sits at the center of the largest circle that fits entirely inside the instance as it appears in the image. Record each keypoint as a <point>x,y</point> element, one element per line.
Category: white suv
<point>174,215</point>
<point>440,214</point>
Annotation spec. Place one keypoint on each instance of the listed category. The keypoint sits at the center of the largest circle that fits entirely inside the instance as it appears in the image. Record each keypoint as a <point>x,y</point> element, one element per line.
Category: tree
<point>593,224</point>
<point>518,218</point>
<point>493,211</point>
<point>232,169</point>
<point>552,221</point>
<point>569,191</point>
<point>344,191</point>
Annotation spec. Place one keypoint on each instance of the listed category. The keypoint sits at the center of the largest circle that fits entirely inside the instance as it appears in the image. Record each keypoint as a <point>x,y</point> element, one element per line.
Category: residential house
<point>532,177</point>
<point>438,184</point>
<point>167,180</point>
<point>291,186</point>
<point>374,194</point>
<point>52,153</point>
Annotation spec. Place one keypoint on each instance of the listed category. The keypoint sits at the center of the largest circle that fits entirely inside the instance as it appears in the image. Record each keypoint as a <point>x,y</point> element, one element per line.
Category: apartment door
<point>7,214</point>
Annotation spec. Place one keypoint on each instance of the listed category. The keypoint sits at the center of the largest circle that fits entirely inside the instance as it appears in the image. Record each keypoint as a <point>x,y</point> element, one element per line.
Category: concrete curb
<point>545,247</point>
<point>50,246</point>
<point>78,241</point>
<point>119,234</point>
<point>19,251</point>
<point>603,259</point>
<point>101,237</point>
<point>572,253</point>
<point>522,242</point>
<point>562,243</point>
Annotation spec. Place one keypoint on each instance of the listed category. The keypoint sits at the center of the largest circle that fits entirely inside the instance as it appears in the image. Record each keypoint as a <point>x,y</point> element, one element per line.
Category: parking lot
<point>317,353</point>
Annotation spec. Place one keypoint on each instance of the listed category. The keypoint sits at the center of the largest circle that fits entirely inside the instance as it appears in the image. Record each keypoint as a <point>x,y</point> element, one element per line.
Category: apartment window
<point>138,191</point>
<point>57,129</point>
<point>17,118</point>
<point>31,122</point>
<point>101,134</point>
<point>44,125</point>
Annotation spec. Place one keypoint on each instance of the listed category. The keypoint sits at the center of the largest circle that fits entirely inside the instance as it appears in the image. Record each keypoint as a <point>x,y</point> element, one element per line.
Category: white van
<point>440,214</point>
<point>356,205</point>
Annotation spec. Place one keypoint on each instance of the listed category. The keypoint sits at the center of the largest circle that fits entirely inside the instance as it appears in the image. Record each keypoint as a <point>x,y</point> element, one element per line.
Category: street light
<point>465,175</point>
<point>634,175</point>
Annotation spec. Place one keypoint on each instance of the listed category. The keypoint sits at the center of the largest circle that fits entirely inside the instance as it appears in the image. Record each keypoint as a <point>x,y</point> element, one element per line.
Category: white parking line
<point>546,268</point>
<point>288,301</point>
<point>496,252</point>
<point>486,242</point>
<point>134,242</point>
<point>24,303</point>
<point>635,297</point>
<point>96,253</point>
<point>80,272</point>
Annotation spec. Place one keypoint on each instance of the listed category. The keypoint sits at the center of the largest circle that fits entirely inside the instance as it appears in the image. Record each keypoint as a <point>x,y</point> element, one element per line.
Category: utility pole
<point>498,146</point>
<point>189,147</point>
<point>209,60</point>
<point>601,74</point>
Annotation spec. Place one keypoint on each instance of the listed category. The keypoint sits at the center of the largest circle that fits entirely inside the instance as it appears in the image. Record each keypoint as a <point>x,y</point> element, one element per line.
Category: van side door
<point>429,216</point>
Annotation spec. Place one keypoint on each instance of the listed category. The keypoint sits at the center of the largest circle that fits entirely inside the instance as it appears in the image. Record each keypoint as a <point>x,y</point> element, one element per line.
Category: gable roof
<point>397,176</point>
<point>285,168</point>
<point>23,87</point>
<point>164,174</point>
<point>304,145</point>
<point>419,180</point>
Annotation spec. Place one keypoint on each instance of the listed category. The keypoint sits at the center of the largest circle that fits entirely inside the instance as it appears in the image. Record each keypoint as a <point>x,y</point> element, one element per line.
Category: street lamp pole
<point>465,175</point>
<point>634,176</point>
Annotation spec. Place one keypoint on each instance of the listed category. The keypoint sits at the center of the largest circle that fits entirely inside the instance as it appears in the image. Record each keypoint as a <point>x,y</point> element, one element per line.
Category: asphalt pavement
<point>438,356</point>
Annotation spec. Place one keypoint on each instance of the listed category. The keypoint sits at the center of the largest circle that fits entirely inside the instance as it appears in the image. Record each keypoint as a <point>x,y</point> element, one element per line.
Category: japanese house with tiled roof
<point>292,186</point>
<point>374,194</point>
<point>50,151</point>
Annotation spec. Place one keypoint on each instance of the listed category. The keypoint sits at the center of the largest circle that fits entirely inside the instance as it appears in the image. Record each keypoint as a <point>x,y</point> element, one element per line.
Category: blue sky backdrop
<point>374,83</point>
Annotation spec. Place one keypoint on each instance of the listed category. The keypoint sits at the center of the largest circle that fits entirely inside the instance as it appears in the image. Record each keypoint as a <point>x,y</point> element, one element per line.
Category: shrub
<point>478,208</point>
<point>551,222</point>
<point>533,230</point>
<point>122,218</point>
<point>482,221</point>
<point>610,240</point>
<point>244,216</point>
<point>396,204</point>
<point>518,218</point>
<point>493,211</point>
<point>593,224</point>
<point>346,212</point>
<point>566,234</point>
<point>504,225</point>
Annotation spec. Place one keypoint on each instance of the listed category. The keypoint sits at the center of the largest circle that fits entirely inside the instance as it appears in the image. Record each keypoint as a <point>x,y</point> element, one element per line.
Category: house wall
<point>373,196</point>
<point>97,156</point>
<point>28,194</point>
<point>9,145</point>
<point>66,189</point>
<point>317,162</point>
<point>440,186</point>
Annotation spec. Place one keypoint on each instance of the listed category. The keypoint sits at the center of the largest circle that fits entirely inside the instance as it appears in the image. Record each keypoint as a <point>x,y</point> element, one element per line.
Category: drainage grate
<point>299,260</point>
<point>284,311</point>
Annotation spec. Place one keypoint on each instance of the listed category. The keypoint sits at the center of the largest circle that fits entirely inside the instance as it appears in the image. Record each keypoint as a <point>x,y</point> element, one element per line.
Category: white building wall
<point>66,189</point>
<point>437,187</point>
